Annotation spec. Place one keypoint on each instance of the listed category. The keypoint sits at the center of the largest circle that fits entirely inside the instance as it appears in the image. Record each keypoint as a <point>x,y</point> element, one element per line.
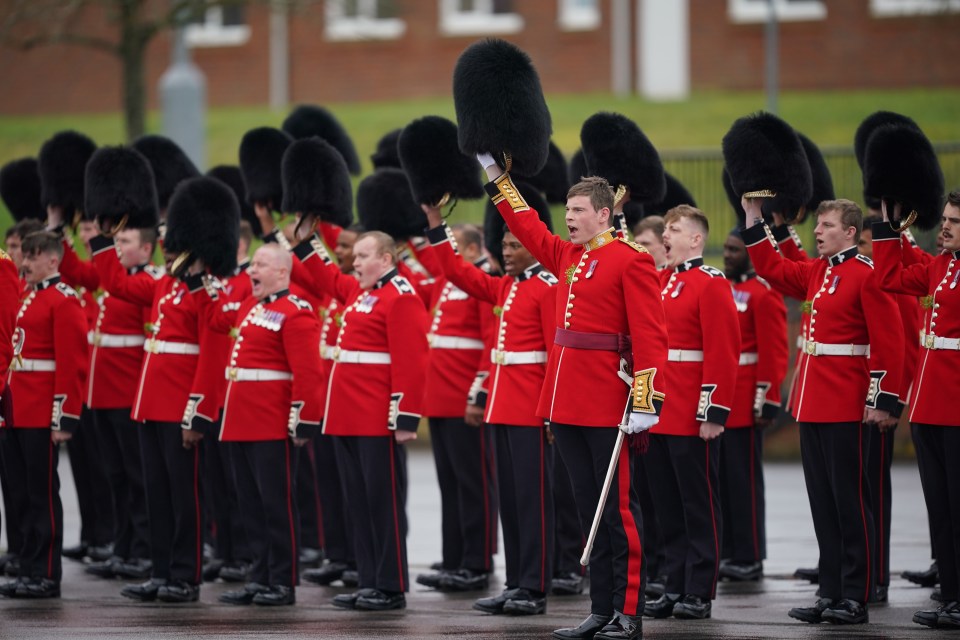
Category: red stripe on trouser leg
<point>863,512</point>
<point>634,549</point>
<point>753,496</point>
<point>197,514</point>
<point>880,520</point>
<point>543,526</point>
<point>713,522</point>
<point>290,522</point>
<point>396,519</point>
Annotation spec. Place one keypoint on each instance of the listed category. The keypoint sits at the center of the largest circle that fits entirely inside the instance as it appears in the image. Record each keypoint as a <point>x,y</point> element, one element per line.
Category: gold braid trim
<point>506,190</point>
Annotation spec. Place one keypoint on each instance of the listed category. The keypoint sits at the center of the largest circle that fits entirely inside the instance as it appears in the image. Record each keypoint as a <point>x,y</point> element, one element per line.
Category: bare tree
<point>26,24</point>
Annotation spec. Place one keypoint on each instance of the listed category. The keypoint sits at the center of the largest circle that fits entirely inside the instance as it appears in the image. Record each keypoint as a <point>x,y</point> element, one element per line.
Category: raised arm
<point>325,274</point>
<point>76,272</point>
<point>890,271</point>
<point>114,278</point>
<point>464,275</point>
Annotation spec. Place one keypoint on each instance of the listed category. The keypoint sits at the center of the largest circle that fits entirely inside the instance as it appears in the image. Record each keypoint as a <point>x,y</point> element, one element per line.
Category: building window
<point>478,17</point>
<point>218,27</point>
<point>786,10</point>
<point>893,8</point>
<point>579,15</point>
<point>363,20</point>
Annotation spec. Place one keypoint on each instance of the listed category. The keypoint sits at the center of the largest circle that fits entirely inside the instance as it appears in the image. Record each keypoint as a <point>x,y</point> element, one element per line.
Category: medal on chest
<point>366,304</point>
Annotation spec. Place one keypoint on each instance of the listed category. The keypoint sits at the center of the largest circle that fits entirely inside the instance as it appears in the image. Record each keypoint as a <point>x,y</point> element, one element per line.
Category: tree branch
<point>66,38</point>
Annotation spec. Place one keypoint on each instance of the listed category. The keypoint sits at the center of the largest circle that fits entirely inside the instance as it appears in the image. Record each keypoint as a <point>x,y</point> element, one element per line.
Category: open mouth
<point>666,247</point>
<point>255,282</point>
<point>571,229</point>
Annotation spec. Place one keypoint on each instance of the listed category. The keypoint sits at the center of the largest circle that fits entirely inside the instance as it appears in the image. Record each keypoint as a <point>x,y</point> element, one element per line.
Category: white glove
<point>485,160</point>
<point>640,422</point>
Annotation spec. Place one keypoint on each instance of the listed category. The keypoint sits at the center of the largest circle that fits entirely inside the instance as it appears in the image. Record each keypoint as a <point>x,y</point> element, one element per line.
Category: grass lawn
<point>828,118</point>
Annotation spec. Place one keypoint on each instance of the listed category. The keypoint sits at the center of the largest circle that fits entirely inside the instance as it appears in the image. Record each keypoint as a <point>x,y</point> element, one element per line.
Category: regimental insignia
<point>711,271</point>
<point>760,397</point>
<point>338,319</point>
<point>154,271</point>
<point>633,245</point>
<point>4,255</point>
<point>706,401</point>
<point>569,274</point>
<point>402,285</point>
<point>67,290</point>
<point>190,410</point>
<point>548,277</point>
<point>57,415</point>
<point>234,332</point>
<point>293,420</point>
<point>865,260</point>
<point>806,307</point>
<point>300,303</point>
<point>644,394</point>
<point>498,311</point>
<point>873,392</point>
<point>506,190</point>
<point>926,302</point>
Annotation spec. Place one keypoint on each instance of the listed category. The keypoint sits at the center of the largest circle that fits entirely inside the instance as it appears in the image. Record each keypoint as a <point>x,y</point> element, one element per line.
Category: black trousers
<point>617,571</point>
<point>834,456</point>
<point>222,500</point>
<point>334,518</point>
<point>373,471</point>
<point>308,499</point>
<point>172,479</point>
<point>878,471</point>
<point>742,495</point>
<point>118,439</point>
<point>653,553</point>
<point>466,473</point>
<point>94,497</point>
<point>569,539</point>
<point>683,472</point>
<point>13,496</point>
<point>913,437</point>
<point>266,473</point>
<point>31,458</point>
<point>938,447</point>
<point>525,480</point>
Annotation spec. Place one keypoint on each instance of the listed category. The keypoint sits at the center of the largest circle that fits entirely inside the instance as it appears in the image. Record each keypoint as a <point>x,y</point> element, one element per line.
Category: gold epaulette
<point>4,255</point>
<point>508,191</point>
<point>633,245</point>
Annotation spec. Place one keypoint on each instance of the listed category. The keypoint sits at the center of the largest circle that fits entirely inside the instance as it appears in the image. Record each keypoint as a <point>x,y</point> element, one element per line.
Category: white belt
<point>114,340</point>
<point>800,342</point>
<point>453,342</point>
<point>684,355</point>
<point>326,352</point>
<point>935,342</point>
<point>812,348</point>
<point>361,357</point>
<point>749,357</point>
<point>517,357</point>
<point>30,364</point>
<point>255,375</point>
<point>176,348</point>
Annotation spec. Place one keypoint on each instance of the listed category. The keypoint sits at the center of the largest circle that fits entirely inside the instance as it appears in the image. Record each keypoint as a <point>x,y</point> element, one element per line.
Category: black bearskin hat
<point>203,219</point>
<point>316,182</point>
<point>434,164</point>
<point>309,120</point>
<point>120,184</point>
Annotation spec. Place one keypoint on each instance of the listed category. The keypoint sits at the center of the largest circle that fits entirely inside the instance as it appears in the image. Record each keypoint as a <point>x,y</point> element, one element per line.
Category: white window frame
<point>364,26</point>
<point>574,16</point>
<point>897,8</point>
<point>746,11</point>
<point>213,33</point>
<point>481,21</point>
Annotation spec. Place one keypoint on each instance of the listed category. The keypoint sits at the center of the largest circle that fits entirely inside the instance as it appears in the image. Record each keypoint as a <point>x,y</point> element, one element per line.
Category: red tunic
<point>844,311</point>
<point>763,351</point>
<point>704,342</point>
<point>935,383</point>
<point>525,330</point>
<point>608,286</point>
<point>48,384</point>
<point>10,294</point>
<point>380,361</point>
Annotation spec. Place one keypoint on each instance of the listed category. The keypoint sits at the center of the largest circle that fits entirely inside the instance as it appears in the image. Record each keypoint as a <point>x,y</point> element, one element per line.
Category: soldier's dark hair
<point>953,198</point>
<point>651,223</point>
<point>24,228</point>
<point>471,235</point>
<point>42,242</point>
<point>690,213</point>
<point>597,189</point>
<point>850,214</point>
<point>149,235</point>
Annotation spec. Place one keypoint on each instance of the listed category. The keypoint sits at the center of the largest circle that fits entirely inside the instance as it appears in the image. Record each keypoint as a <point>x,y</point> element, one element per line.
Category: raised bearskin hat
<point>870,124</point>
<point>61,163</point>
<point>552,181</point>
<point>203,219</point>
<point>385,203</point>
<point>616,149</point>
<point>309,120</point>
<point>261,154</point>
<point>822,182</point>
<point>436,168</point>
<point>494,226</point>
<point>676,194</point>
<point>764,155</point>
<point>120,191</point>
<point>170,165</point>
<point>500,106</point>
<point>900,165</point>
<point>231,176</point>
<point>387,154</point>
<point>316,182</point>
<point>20,189</point>
<point>578,167</point>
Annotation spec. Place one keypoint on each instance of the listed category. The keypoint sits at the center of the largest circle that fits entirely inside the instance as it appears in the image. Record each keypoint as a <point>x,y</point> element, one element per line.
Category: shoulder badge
<point>764,283</point>
<point>402,285</point>
<point>865,260</point>
<point>4,255</point>
<point>713,272</point>
<point>67,290</point>
<point>300,303</point>
<point>548,277</point>
<point>155,271</point>
<point>633,245</point>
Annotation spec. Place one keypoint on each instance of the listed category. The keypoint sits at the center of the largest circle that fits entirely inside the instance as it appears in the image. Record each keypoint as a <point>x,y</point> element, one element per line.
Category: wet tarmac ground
<point>93,608</point>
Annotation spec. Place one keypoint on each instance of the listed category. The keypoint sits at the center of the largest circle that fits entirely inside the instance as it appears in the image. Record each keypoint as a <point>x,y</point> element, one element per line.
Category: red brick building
<point>357,50</point>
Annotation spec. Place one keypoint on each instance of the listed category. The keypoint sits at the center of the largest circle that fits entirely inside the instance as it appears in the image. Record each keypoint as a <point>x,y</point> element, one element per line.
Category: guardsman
<point>756,402</point>
<point>597,315</point>
<point>10,290</point>
<point>271,406</point>
<point>47,382</point>
<point>849,375</point>
<point>524,303</point>
<point>933,415</point>
<point>683,463</point>
<point>373,406</point>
